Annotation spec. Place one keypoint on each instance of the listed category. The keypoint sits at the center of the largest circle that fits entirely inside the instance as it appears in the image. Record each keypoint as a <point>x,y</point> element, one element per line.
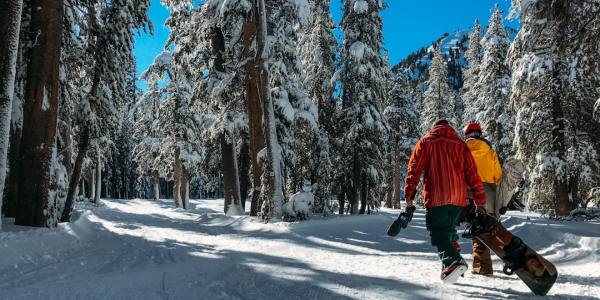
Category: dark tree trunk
<point>176,180</point>
<point>231,184</point>
<point>98,177</point>
<point>76,176</point>
<point>10,24</point>
<point>355,184</point>
<point>396,179</point>
<point>342,202</point>
<point>155,186</point>
<point>364,194</point>
<point>12,188</point>
<point>40,113</point>
<point>244,169</point>
<point>184,188</point>
<point>254,109</point>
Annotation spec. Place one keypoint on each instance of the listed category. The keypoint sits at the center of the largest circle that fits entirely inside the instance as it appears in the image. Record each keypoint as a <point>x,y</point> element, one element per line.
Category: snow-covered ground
<point>139,249</point>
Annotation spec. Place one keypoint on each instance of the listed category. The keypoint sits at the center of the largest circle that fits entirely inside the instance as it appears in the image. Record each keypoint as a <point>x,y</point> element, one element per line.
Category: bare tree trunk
<point>231,184</point>
<point>342,202</point>
<point>99,177</point>
<point>10,25</point>
<point>93,184</point>
<point>355,184</point>
<point>12,187</point>
<point>155,186</point>
<point>184,188</point>
<point>243,169</point>
<point>177,179</point>
<point>396,179</point>
<point>273,189</point>
<point>364,193</point>
<point>253,108</point>
<point>40,113</point>
<point>76,176</point>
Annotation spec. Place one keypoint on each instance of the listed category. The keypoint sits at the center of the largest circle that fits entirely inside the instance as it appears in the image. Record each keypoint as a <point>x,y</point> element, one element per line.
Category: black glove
<point>407,215</point>
<point>503,210</point>
<point>480,210</point>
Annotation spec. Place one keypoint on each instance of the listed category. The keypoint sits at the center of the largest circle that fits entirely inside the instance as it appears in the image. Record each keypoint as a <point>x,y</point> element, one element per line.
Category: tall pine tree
<point>363,81</point>
<point>438,99</point>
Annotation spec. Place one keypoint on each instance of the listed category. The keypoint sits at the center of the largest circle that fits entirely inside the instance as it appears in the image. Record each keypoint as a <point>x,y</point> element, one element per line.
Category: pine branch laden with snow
<point>491,89</point>
<point>438,99</point>
<point>555,134</point>
<point>363,79</point>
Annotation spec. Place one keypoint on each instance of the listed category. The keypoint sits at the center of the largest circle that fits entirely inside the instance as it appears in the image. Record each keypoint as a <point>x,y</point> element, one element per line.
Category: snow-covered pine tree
<point>404,133</point>
<point>177,127</point>
<point>296,114</point>
<point>318,52</point>
<point>553,135</point>
<point>363,81</point>
<point>10,25</point>
<point>492,90</point>
<point>109,28</point>
<point>145,114</point>
<point>438,99</point>
<point>223,89</point>
<point>473,55</point>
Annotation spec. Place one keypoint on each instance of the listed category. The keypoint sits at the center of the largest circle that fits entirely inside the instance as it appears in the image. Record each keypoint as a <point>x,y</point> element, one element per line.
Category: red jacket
<point>447,167</point>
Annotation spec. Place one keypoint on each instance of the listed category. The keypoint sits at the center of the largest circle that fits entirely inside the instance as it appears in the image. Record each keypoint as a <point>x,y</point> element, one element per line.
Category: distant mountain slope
<point>416,65</point>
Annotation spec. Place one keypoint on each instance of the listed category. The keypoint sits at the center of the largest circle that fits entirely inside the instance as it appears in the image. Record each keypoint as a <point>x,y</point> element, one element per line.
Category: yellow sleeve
<point>497,169</point>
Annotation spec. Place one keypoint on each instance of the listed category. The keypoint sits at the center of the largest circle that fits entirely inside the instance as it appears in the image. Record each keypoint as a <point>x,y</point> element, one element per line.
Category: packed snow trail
<point>140,249</point>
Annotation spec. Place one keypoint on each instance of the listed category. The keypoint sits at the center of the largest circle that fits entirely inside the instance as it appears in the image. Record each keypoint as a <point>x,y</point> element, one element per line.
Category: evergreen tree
<point>318,52</point>
<point>554,134</point>
<point>492,89</point>
<point>473,55</point>
<point>438,99</point>
<point>402,118</point>
<point>363,80</point>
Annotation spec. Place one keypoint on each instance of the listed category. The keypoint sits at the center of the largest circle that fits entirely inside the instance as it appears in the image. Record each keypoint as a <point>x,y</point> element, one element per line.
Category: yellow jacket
<point>486,160</point>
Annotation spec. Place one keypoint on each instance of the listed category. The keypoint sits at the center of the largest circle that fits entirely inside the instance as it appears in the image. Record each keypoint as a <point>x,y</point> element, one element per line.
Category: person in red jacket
<point>448,168</point>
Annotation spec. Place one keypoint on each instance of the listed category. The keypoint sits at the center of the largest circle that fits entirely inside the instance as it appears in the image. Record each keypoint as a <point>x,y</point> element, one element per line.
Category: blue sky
<point>407,24</point>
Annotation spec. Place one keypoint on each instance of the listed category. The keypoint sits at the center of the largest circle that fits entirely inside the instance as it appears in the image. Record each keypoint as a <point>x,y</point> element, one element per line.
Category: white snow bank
<point>139,249</point>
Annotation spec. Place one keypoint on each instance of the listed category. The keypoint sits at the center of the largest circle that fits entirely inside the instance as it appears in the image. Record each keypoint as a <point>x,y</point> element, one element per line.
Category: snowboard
<point>534,270</point>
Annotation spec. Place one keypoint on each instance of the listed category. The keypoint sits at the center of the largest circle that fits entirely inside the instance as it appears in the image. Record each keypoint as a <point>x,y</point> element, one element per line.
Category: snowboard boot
<point>454,271</point>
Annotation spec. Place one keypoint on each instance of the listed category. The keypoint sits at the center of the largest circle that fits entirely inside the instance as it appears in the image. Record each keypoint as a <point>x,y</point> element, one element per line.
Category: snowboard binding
<point>514,257</point>
<point>478,223</point>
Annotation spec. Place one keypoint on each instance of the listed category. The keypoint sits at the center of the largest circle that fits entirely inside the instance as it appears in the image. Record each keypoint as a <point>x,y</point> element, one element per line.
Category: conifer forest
<point>267,147</point>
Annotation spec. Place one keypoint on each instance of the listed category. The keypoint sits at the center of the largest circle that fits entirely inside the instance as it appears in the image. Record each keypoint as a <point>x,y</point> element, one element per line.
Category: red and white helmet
<point>472,128</point>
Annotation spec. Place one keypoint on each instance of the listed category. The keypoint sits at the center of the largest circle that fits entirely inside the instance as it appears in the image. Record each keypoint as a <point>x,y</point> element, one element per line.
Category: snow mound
<point>142,249</point>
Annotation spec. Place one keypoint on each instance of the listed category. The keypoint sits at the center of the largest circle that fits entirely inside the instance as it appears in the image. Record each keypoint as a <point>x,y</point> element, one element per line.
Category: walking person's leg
<point>441,223</point>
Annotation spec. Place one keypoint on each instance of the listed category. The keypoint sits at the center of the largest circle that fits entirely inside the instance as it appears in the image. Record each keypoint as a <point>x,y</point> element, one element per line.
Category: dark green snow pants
<point>441,223</point>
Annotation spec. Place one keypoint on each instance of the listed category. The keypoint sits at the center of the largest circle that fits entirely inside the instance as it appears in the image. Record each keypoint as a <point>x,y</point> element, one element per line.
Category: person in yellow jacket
<point>490,172</point>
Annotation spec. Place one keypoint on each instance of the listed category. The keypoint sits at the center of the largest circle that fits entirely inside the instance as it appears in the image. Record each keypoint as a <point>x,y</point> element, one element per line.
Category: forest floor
<point>141,249</point>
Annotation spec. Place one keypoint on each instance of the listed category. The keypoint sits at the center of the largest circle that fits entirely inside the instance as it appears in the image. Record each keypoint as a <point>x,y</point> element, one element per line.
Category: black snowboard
<point>534,270</point>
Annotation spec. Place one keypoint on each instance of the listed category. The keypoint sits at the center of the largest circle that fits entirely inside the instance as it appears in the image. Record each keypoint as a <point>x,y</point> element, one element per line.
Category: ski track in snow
<point>140,249</point>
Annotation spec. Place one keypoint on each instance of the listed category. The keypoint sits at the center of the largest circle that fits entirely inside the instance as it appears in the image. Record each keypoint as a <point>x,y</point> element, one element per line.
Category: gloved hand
<point>503,210</point>
<point>480,210</point>
<point>407,215</point>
